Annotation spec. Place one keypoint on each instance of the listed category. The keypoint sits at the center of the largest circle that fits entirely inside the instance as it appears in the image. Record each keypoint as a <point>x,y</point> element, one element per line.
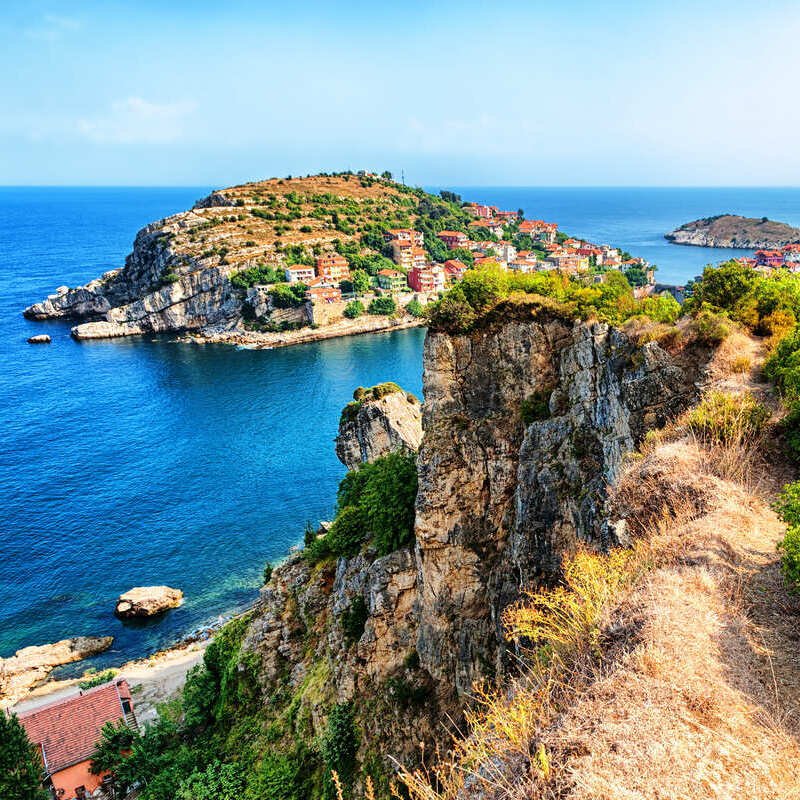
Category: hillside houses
<point>788,257</point>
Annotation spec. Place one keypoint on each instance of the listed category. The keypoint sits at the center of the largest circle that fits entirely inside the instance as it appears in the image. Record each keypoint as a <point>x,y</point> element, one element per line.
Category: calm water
<point>143,461</point>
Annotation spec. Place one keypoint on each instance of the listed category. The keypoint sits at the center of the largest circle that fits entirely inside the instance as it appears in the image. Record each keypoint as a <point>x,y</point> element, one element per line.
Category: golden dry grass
<point>671,670</point>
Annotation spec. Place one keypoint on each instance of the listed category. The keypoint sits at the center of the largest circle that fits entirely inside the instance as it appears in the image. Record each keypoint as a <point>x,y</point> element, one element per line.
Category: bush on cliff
<point>788,509</point>
<point>382,305</point>
<point>723,419</point>
<point>354,309</point>
<point>375,502</point>
<point>483,289</point>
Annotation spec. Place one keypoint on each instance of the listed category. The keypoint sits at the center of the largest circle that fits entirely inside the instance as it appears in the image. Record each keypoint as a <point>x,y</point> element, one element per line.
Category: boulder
<point>41,338</point>
<point>30,666</point>
<point>147,601</point>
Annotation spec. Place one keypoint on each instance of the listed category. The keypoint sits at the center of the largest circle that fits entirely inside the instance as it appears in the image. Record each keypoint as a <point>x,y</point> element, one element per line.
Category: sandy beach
<point>153,680</point>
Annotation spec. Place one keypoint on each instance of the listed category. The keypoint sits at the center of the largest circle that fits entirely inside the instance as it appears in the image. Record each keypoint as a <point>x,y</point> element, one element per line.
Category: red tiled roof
<point>67,730</point>
<point>450,234</point>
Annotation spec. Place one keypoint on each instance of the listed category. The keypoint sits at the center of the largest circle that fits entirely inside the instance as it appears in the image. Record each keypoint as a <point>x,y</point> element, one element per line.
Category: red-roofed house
<point>324,294</point>
<point>791,253</point>
<point>426,279</point>
<point>66,732</point>
<point>546,231</point>
<point>769,258</point>
<point>453,239</point>
<point>454,269</point>
<point>392,279</point>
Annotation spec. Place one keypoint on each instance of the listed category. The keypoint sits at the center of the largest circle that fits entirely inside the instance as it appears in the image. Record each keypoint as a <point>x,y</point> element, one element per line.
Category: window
<point>80,792</point>
<point>126,706</point>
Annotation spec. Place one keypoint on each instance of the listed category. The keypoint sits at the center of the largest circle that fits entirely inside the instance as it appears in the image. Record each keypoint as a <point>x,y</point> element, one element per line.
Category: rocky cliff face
<point>526,423</point>
<point>160,289</point>
<point>373,426</point>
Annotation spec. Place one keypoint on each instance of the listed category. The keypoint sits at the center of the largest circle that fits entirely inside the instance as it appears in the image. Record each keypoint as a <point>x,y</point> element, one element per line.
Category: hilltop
<point>732,230</point>
<point>288,259</point>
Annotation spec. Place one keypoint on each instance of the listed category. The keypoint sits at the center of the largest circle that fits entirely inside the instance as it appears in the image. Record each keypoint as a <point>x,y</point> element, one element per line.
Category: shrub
<point>355,308</point>
<point>198,698</point>
<point>259,274</point>
<point>268,569</point>
<point>726,419</point>
<point>382,305</point>
<point>354,619</point>
<point>790,426</point>
<point>94,678</point>
<point>275,779</point>
<point>535,407</point>
<point>783,365</point>
<point>709,327</point>
<point>217,782</point>
<point>347,533</point>
<point>284,296</point>
<point>339,744</point>
<point>787,506</point>
<point>790,558</point>
<point>415,308</point>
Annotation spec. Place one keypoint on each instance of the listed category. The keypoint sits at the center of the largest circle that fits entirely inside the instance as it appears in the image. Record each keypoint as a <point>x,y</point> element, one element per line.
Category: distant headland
<point>732,230</point>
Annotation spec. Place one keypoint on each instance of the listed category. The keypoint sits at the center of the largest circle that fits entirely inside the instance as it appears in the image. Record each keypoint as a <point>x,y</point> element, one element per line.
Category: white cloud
<point>53,27</point>
<point>134,121</point>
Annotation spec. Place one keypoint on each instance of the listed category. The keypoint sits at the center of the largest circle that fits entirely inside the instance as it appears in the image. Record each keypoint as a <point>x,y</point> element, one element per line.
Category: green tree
<point>20,764</point>
<point>382,305</point>
<point>415,308</point>
<point>354,309</point>
<point>361,281</point>
<point>724,286</point>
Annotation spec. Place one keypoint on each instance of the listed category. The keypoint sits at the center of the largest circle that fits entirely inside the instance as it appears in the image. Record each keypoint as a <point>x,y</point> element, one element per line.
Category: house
<point>453,239</point>
<point>392,279</point>
<point>427,279</point>
<point>568,262</point>
<point>492,226</point>
<point>507,216</point>
<point>404,235</point>
<point>402,253</point>
<point>489,261</point>
<point>769,258</point>
<point>66,731</point>
<point>791,254</point>
<point>324,294</point>
<point>524,265</point>
<point>300,273</point>
<point>419,258</point>
<point>481,212</point>
<point>333,268</point>
<point>539,229</point>
<point>454,270</point>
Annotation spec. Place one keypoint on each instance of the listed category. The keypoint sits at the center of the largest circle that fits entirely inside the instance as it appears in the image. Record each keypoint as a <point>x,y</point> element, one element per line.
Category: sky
<point>573,93</point>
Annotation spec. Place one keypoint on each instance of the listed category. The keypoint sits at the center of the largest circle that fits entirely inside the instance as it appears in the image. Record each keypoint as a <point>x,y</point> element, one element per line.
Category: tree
<point>382,305</point>
<point>725,286</point>
<point>386,175</point>
<point>20,765</point>
<point>415,308</point>
<point>355,308</point>
<point>361,281</point>
<point>217,782</point>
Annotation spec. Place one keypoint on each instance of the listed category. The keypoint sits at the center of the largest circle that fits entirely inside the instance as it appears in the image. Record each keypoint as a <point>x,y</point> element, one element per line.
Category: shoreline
<point>153,679</point>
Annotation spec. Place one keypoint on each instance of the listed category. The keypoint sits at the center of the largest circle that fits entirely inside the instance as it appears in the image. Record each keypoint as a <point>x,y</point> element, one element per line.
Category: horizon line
<point>411,185</point>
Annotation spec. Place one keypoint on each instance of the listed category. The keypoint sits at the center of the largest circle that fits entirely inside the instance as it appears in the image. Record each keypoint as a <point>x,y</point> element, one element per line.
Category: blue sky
<point>528,93</point>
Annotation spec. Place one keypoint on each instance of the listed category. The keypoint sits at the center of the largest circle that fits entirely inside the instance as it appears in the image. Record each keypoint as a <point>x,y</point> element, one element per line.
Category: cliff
<point>526,423</point>
<point>731,230</point>
<point>213,270</point>
<point>379,420</point>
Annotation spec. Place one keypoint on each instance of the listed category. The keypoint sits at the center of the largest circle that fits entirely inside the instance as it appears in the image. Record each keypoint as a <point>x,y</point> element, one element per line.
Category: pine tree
<point>20,765</point>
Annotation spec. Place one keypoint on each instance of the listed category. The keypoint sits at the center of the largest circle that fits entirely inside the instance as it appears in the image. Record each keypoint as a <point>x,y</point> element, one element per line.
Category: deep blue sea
<point>143,461</point>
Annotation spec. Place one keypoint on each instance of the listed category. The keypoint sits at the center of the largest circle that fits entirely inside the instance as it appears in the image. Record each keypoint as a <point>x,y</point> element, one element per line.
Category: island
<point>295,259</point>
<point>734,231</point>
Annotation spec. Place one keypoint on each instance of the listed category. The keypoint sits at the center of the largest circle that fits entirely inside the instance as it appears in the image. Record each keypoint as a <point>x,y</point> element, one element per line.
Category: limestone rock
<point>41,338</point>
<point>30,666</point>
<point>371,428</point>
<point>147,601</point>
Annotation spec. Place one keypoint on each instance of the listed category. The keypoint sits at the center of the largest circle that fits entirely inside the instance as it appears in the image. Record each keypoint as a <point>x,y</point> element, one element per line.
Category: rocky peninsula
<point>734,231</point>
<point>231,269</point>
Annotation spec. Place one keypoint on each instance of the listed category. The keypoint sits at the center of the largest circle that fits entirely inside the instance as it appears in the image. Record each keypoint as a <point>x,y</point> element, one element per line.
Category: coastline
<point>256,340</point>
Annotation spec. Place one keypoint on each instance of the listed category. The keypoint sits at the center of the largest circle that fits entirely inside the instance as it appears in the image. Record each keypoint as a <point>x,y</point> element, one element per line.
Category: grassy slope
<point>333,208</point>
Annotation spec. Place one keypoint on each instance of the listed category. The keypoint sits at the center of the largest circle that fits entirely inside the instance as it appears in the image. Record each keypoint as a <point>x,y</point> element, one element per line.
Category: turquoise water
<point>143,461</point>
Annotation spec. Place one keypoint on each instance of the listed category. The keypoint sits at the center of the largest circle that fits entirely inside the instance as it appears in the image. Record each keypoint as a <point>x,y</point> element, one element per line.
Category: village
<point>767,261</point>
<point>496,237</point>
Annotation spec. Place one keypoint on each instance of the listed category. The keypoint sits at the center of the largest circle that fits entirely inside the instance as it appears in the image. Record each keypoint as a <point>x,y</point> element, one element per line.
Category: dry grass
<point>671,670</point>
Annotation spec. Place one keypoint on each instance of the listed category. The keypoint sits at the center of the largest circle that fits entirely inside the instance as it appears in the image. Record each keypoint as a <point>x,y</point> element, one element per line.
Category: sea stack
<point>41,338</point>
<point>147,601</point>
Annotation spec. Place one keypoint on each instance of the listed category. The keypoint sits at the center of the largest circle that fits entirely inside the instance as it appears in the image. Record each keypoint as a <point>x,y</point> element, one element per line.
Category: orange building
<point>66,732</point>
<point>333,268</point>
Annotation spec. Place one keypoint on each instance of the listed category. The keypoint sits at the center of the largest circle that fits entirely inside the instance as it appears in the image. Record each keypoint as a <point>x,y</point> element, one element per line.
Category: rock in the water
<point>41,338</point>
<point>147,601</point>
<point>379,421</point>
<point>30,666</point>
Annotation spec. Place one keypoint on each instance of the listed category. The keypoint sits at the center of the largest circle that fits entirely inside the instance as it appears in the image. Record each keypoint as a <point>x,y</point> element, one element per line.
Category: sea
<point>148,461</point>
